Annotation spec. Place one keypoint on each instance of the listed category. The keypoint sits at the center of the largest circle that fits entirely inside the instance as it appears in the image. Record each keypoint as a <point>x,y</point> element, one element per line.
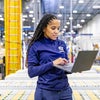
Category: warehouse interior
<point>80,21</point>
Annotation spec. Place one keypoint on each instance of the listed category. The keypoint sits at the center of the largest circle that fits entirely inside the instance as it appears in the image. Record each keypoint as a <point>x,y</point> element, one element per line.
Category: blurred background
<point>80,21</point>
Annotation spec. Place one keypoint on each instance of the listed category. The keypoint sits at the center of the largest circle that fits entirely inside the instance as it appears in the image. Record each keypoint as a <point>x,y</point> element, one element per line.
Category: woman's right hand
<point>60,61</point>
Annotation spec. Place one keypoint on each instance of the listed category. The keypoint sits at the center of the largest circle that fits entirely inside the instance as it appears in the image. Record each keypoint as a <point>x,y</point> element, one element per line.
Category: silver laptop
<point>83,62</point>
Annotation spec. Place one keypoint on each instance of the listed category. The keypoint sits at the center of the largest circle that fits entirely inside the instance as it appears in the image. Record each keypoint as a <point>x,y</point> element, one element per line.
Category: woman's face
<point>52,29</point>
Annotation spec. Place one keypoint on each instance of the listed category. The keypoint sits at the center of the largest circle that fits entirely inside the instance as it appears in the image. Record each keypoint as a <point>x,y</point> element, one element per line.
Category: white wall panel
<point>92,26</point>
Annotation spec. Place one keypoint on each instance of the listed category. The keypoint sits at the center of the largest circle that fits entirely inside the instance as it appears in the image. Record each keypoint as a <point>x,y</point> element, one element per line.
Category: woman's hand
<point>60,61</point>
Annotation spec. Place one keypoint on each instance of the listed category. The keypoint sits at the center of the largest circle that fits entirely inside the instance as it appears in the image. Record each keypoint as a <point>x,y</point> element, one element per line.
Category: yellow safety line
<point>18,95</point>
<point>5,95</point>
<point>77,95</point>
<point>91,95</point>
<point>31,96</point>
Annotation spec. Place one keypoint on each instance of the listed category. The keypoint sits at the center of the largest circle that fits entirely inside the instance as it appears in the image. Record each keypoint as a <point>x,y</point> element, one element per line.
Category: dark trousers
<point>42,94</point>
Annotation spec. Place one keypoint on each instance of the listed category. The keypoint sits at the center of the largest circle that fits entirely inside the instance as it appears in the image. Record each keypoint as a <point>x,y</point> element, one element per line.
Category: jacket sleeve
<point>66,50</point>
<point>34,69</point>
<point>66,55</point>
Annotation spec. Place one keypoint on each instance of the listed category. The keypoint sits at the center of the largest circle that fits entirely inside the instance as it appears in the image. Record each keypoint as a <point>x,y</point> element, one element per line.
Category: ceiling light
<point>64,29</point>
<point>61,7</point>
<point>27,7</point>
<point>25,16</point>
<point>30,15</point>
<point>31,12</point>
<point>72,31</point>
<point>0,15</point>
<point>65,26</point>
<point>1,19</point>
<point>96,7</point>
<point>81,1</point>
<point>67,23</point>
<point>70,18</point>
<point>79,26</point>
<point>74,11</point>
<point>59,15</point>
<point>74,26</point>
<point>33,21</point>
<point>29,37</point>
<point>1,44</point>
<point>23,19</point>
<point>33,18</point>
<point>88,15</point>
<point>82,20</point>
<point>62,32</point>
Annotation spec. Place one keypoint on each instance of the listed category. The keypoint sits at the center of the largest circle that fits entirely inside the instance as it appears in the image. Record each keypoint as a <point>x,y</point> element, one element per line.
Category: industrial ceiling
<point>70,12</point>
<point>75,12</point>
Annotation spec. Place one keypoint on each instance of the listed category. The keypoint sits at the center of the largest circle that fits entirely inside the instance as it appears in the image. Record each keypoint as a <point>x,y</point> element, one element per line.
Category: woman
<point>44,52</point>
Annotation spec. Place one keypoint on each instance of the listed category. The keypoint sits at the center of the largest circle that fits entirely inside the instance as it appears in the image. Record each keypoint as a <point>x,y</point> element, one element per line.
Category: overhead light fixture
<point>61,32</point>
<point>59,15</point>
<point>81,1</point>
<point>74,11</point>
<point>61,7</point>
<point>67,23</point>
<point>79,26</point>
<point>64,29</point>
<point>74,26</point>
<point>82,20</point>
<point>29,37</point>
<point>72,31</point>
<point>88,15</point>
<point>65,26</point>
<point>24,16</point>
<point>70,18</point>
<point>31,12</point>
<point>33,21</point>
<point>0,15</point>
<point>2,19</point>
<point>30,15</point>
<point>33,18</point>
<point>96,7</point>
<point>23,19</point>
<point>27,7</point>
